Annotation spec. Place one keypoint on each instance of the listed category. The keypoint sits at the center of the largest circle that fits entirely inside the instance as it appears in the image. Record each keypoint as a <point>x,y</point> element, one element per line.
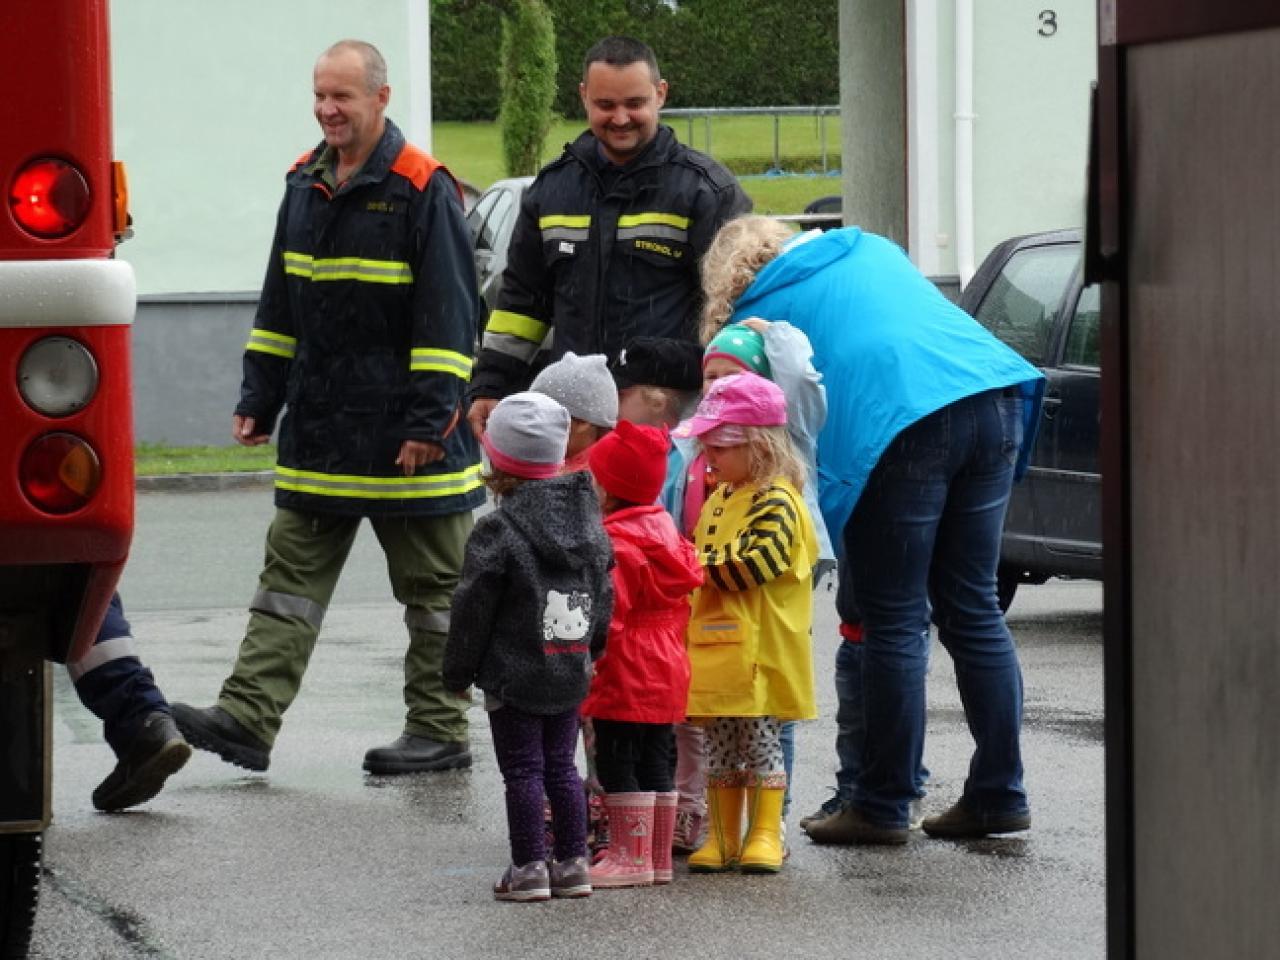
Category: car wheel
<point>1007,581</point>
<point>19,891</point>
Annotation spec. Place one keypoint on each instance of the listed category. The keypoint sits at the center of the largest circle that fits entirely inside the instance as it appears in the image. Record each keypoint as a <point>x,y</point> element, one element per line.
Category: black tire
<point>19,892</point>
<point>1007,581</point>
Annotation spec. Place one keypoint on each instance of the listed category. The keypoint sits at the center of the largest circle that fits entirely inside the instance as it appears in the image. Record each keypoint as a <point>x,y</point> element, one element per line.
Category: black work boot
<point>413,754</point>
<point>156,752</point>
<point>215,730</point>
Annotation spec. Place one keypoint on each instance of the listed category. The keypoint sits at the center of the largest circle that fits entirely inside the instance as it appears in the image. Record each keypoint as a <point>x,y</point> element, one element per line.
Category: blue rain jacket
<point>890,347</point>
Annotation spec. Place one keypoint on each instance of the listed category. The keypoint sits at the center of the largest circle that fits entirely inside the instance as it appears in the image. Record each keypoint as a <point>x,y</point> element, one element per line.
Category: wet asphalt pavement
<point>314,859</point>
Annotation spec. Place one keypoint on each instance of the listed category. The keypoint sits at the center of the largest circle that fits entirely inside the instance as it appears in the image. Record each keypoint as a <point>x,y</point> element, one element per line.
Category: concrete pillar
<point>873,116</point>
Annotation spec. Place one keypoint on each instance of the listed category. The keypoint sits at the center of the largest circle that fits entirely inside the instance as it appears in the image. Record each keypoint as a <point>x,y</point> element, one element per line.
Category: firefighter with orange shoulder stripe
<point>609,237</point>
<point>364,335</point>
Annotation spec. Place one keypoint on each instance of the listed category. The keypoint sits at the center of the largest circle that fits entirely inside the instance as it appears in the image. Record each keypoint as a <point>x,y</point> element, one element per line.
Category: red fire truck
<point>66,435</point>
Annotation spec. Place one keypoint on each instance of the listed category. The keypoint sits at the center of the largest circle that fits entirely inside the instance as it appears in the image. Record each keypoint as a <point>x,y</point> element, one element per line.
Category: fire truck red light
<point>49,198</point>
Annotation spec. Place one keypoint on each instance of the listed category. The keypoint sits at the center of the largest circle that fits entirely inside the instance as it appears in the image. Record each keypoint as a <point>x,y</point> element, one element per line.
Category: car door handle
<point>1050,407</point>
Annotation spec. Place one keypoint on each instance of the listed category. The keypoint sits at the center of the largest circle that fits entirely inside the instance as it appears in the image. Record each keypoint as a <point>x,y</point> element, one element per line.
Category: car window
<point>489,233</point>
<point>477,214</point>
<point>1022,302</point>
<point>1082,337</point>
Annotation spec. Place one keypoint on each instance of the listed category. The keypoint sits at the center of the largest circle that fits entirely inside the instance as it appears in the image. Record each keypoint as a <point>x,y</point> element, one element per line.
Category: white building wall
<point>212,104</point>
<point>1031,97</point>
<point>1030,135</point>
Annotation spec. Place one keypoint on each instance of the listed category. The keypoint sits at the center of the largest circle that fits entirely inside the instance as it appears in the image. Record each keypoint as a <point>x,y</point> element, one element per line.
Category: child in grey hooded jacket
<point>530,613</point>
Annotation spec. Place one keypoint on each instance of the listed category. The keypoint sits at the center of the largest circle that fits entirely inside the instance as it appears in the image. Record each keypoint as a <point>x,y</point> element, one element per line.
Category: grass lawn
<point>473,151</point>
<point>155,459</point>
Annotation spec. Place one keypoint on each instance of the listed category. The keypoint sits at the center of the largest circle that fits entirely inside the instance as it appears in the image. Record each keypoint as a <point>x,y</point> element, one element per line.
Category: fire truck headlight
<point>60,473</point>
<point>57,376</point>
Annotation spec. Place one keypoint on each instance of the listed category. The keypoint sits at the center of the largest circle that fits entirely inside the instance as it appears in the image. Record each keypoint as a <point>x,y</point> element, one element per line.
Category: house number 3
<point>1048,23</point>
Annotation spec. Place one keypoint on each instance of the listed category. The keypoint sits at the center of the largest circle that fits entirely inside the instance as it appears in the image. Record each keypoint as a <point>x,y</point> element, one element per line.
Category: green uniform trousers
<point>305,554</point>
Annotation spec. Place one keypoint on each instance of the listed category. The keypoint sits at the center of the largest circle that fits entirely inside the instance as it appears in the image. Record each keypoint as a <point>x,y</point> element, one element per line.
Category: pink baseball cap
<point>743,400</point>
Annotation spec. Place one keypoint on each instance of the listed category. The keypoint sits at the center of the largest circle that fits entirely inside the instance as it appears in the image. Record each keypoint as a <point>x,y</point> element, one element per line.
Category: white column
<point>417,125</point>
<point>922,135</point>
<point>964,141</point>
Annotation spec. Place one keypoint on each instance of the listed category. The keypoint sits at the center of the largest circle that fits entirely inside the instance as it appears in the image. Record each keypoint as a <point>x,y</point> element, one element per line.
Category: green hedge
<point>465,39</point>
<point>528,79</point>
<point>714,53</point>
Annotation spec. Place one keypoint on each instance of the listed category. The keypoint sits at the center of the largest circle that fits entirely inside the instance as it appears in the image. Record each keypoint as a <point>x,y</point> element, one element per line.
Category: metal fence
<point>706,114</point>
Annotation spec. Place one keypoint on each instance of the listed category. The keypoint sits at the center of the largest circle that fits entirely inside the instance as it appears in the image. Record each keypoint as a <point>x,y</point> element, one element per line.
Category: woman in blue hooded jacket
<point>930,418</point>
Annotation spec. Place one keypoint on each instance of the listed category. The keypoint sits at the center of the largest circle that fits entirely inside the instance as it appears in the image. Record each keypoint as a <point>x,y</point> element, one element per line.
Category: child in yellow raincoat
<point>749,633</point>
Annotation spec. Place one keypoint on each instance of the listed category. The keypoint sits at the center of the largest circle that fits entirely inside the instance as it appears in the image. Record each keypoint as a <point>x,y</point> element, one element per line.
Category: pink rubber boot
<point>664,829</point>
<point>629,860</point>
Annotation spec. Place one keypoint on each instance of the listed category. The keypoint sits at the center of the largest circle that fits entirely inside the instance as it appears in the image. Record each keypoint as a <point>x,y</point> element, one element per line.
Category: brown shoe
<point>962,822</point>
<point>849,827</point>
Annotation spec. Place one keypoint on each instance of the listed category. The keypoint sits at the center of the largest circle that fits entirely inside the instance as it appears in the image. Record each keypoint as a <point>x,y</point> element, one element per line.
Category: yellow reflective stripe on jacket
<point>380,488</point>
<point>442,361</point>
<point>347,268</point>
<point>516,325</point>
<point>564,220</point>
<point>276,344</point>
<point>654,218</point>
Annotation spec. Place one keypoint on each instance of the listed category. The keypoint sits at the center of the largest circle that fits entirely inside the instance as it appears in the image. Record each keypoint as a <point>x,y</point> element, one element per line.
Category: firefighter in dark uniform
<point>609,237</point>
<point>365,331</point>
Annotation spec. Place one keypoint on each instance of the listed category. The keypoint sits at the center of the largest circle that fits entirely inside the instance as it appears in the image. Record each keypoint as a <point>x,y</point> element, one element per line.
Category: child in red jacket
<point>642,680</point>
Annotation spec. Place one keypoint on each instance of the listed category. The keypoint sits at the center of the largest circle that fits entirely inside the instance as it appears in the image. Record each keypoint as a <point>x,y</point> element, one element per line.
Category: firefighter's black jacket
<point>365,332</point>
<point>601,254</point>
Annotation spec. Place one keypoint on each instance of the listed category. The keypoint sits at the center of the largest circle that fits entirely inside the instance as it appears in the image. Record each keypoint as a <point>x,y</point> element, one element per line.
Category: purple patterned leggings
<point>536,756</point>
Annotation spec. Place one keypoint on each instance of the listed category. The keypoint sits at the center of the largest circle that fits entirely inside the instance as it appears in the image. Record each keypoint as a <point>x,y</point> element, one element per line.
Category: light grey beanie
<point>526,435</point>
<point>584,386</point>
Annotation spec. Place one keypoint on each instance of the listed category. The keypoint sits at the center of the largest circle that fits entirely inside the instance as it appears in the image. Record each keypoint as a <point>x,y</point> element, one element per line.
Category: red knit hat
<point>631,462</point>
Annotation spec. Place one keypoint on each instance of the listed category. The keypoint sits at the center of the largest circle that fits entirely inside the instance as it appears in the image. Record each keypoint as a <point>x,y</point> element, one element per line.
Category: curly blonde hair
<point>738,252</point>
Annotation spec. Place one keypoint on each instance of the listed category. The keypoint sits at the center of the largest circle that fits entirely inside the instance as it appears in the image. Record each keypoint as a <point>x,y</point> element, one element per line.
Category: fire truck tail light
<point>60,473</point>
<point>57,376</point>
<point>49,198</point>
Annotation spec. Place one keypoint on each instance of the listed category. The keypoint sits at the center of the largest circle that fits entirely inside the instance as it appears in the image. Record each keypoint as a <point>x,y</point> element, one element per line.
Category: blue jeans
<point>851,725</point>
<point>927,527</point>
<point>787,737</point>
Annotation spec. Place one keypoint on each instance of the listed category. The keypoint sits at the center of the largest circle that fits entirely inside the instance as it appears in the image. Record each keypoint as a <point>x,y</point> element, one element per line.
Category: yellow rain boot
<point>724,831</point>
<point>763,852</point>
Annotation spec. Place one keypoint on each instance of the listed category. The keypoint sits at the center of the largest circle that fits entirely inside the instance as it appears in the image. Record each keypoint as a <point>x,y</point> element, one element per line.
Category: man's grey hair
<point>375,68</point>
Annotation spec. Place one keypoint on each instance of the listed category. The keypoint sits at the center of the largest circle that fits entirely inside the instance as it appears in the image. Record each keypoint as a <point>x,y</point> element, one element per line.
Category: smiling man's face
<point>349,113</point>
<point>622,105</point>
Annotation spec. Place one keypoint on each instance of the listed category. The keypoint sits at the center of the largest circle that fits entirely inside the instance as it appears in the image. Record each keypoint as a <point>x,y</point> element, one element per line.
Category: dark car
<point>491,219</point>
<point>1030,294</point>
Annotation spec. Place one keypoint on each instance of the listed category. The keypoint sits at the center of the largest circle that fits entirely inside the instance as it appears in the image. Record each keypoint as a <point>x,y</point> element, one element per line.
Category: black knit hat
<point>659,362</point>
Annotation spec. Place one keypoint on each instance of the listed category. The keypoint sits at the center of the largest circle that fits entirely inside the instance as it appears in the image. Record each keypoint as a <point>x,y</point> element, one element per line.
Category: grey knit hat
<point>526,436</point>
<point>584,386</point>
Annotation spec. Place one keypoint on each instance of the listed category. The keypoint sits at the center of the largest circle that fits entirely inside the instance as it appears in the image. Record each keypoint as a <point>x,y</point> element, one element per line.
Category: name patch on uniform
<point>661,248</point>
<point>566,247</point>
<point>383,206</point>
